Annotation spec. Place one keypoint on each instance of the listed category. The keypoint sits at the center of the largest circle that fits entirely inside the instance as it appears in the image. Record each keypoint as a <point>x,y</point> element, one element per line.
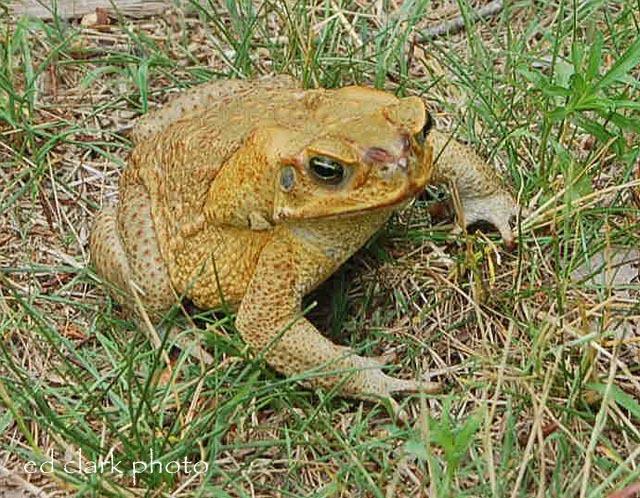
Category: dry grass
<point>541,367</point>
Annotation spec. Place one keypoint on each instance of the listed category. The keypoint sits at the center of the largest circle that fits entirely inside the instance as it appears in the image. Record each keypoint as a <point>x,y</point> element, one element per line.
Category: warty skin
<point>232,194</point>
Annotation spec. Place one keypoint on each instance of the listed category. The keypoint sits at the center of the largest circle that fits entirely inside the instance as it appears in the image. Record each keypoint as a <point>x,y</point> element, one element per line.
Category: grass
<point>543,385</point>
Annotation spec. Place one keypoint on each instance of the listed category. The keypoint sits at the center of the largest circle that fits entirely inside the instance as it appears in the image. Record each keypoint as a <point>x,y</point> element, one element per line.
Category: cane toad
<point>252,193</point>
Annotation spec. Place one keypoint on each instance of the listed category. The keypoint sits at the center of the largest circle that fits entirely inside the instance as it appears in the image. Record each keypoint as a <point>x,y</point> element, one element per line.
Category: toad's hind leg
<point>125,252</point>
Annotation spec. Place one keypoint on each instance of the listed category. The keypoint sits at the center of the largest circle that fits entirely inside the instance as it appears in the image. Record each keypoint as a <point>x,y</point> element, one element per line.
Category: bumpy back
<point>181,147</point>
<point>202,97</point>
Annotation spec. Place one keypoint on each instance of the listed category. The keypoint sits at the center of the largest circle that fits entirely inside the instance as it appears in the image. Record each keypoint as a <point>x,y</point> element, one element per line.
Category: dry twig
<point>456,25</point>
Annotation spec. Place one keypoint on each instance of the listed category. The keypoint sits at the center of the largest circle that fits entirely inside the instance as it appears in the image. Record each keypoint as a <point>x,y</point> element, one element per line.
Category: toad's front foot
<point>481,194</point>
<point>387,386</point>
<point>371,381</point>
<point>498,208</point>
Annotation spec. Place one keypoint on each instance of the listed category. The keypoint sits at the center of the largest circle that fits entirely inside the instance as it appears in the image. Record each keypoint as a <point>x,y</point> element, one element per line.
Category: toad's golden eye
<point>421,136</point>
<point>326,170</point>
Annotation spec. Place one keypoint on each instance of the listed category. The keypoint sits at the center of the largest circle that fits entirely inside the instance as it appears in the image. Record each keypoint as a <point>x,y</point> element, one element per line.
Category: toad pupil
<point>326,169</point>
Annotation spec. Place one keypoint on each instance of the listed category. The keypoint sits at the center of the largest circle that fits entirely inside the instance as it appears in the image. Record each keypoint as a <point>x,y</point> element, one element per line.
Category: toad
<point>250,194</point>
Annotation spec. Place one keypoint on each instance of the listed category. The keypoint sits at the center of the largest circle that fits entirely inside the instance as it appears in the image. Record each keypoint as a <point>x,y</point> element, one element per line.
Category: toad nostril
<point>406,143</point>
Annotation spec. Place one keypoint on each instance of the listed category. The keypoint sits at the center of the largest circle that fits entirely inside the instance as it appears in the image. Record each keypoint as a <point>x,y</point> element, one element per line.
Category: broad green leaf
<point>621,121</point>
<point>578,85</point>
<point>593,127</point>
<point>218,492</point>
<point>143,83</point>
<point>93,75</point>
<point>563,71</point>
<point>622,66</point>
<point>416,448</point>
<point>464,437</point>
<point>592,103</point>
<point>578,189</point>
<point>620,397</point>
<point>532,76</point>
<point>625,104</point>
<point>595,58</point>
<point>556,91</point>
<point>577,54</point>
<point>558,114</point>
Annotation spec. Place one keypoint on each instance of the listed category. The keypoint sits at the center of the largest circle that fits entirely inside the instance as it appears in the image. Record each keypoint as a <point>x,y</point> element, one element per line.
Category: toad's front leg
<point>270,321</point>
<point>482,194</point>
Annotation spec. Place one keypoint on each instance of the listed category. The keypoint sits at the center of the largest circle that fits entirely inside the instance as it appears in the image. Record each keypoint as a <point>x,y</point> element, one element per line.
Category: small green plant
<point>453,438</point>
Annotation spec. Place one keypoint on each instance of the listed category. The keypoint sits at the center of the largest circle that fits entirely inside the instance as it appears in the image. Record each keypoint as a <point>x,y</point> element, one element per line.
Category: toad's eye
<point>421,136</point>
<point>326,170</point>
